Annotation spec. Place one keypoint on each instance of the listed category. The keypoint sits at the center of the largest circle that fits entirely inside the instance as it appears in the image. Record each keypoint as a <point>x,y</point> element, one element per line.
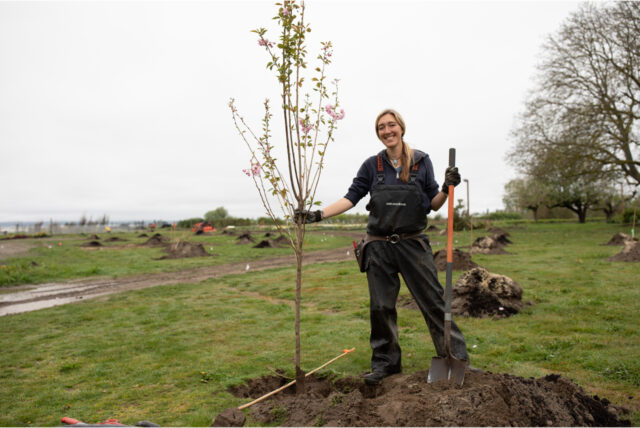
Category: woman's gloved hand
<point>308,216</point>
<point>451,178</point>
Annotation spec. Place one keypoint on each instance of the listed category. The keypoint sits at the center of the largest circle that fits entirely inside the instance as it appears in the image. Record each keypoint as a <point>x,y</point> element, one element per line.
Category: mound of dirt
<point>497,231</point>
<point>267,243</point>
<point>245,238</point>
<point>156,240</point>
<point>485,399</point>
<point>461,260</point>
<point>630,253</point>
<point>487,245</point>
<point>620,239</point>
<point>479,293</point>
<point>143,235</point>
<point>114,239</point>
<point>92,244</point>
<point>184,249</point>
<point>94,237</point>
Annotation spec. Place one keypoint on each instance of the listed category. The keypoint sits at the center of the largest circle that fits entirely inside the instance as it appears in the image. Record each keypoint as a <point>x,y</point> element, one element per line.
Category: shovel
<point>449,367</point>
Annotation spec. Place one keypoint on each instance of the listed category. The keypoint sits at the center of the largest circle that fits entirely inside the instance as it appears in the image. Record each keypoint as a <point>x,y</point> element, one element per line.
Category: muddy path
<point>27,298</point>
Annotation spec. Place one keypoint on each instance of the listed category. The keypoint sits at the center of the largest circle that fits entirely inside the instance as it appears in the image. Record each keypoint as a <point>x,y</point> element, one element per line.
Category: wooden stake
<point>257,400</point>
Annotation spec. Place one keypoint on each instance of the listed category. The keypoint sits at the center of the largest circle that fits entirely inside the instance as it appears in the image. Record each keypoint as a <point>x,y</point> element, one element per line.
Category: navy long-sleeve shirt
<point>366,178</point>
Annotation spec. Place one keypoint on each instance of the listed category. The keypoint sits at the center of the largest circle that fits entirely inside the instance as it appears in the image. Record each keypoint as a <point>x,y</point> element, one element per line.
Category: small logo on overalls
<point>396,204</point>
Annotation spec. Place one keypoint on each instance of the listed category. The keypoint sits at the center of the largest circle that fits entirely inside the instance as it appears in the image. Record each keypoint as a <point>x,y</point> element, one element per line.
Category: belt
<point>393,238</point>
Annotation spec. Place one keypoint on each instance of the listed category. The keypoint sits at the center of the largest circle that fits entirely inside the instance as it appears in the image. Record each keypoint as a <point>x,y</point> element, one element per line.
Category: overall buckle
<point>394,239</point>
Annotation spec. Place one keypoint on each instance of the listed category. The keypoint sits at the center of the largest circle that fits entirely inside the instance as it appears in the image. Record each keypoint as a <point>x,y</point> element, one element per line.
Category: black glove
<point>308,216</point>
<point>451,177</point>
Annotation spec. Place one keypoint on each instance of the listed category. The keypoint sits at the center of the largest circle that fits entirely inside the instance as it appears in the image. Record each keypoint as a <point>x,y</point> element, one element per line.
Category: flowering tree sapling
<point>309,123</point>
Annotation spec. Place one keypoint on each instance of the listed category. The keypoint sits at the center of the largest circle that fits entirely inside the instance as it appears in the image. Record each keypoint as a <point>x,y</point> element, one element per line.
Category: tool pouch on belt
<point>359,252</point>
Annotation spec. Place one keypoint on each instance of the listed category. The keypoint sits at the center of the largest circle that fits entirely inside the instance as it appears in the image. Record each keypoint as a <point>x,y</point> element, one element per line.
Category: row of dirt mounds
<point>270,242</point>
<point>485,399</point>
<point>630,251</point>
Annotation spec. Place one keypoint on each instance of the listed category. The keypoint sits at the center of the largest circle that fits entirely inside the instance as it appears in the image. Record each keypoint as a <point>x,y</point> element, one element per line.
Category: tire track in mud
<point>27,298</point>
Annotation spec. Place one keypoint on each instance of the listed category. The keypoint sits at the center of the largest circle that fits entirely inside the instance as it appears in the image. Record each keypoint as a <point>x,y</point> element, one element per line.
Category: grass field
<point>167,354</point>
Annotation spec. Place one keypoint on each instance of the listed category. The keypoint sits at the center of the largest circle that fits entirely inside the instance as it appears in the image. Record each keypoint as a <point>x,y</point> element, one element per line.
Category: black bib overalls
<point>397,210</point>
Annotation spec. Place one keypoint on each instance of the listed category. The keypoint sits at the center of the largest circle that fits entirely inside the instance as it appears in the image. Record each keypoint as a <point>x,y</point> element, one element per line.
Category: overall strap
<point>380,174</point>
<point>414,172</point>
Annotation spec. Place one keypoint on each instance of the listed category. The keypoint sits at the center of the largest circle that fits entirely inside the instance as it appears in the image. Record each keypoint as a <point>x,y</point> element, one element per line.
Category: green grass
<point>63,258</point>
<point>168,354</point>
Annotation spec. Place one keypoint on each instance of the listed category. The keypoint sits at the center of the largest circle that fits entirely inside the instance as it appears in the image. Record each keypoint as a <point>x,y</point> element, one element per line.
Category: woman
<point>403,191</point>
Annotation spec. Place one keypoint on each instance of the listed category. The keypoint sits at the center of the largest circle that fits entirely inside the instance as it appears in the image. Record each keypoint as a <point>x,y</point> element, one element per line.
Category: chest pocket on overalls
<point>395,208</point>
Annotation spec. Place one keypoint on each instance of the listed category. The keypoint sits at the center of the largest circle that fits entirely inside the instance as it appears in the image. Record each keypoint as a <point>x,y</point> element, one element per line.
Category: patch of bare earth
<point>485,399</point>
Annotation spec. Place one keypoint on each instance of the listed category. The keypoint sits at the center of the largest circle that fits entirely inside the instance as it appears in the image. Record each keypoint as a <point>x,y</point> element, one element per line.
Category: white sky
<point>121,108</point>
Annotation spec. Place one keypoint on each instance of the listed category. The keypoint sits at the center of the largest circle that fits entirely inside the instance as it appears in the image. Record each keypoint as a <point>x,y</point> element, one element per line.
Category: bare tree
<point>589,85</point>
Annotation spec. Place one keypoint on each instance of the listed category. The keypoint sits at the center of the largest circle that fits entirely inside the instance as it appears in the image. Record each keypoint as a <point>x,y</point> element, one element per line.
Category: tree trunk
<point>300,387</point>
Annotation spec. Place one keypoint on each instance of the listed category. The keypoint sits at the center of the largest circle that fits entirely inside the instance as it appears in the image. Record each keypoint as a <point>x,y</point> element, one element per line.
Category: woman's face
<point>390,131</point>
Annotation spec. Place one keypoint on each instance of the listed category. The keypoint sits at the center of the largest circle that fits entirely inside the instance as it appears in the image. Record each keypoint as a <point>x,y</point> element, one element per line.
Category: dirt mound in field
<point>487,245</point>
<point>479,293</point>
<point>114,239</point>
<point>156,240</point>
<point>621,239</point>
<point>498,231</point>
<point>485,399</point>
<point>94,237</point>
<point>267,243</point>
<point>461,260</point>
<point>184,249</point>
<point>92,244</point>
<point>143,235</point>
<point>630,253</point>
<point>245,238</point>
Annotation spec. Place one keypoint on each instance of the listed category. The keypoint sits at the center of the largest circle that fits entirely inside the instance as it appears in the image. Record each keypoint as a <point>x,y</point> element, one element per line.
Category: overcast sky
<point>121,108</point>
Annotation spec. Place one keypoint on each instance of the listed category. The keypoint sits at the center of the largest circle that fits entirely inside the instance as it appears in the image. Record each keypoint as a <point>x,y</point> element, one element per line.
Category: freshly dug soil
<point>621,239</point>
<point>630,253</point>
<point>487,245</point>
<point>143,235</point>
<point>184,249</point>
<point>498,231</point>
<point>267,243</point>
<point>245,238</point>
<point>92,244</point>
<point>156,240</point>
<point>485,399</point>
<point>479,293</point>
<point>461,260</point>
<point>114,239</point>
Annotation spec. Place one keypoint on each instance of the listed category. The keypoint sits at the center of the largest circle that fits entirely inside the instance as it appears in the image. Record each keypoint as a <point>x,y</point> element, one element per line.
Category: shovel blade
<point>447,368</point>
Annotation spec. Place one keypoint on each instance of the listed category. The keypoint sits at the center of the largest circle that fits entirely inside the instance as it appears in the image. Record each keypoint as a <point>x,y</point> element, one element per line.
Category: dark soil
<point>497,231</point>
<point>630,253</point>
<point>245,238</point>
<point>479,293</point>
<point>461,260</point>
<point>621,239</point>
<point>487,245</point>
<point>92,244</point>
<point>94,237</point>
<point>156,240</point>
<point>143,235</point>
<point>267,243</point>
<point>485,399</point>
<point>114,239</point>
<point>184,249</point>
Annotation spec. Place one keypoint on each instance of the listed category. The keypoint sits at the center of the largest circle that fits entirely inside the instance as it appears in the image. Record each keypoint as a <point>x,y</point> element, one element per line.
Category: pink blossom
<point>255,168</point>
<point>330,109</point>
<point>286,12</point>
<point>265,42</point>
<point>246,171</point>
<point>306,128</point>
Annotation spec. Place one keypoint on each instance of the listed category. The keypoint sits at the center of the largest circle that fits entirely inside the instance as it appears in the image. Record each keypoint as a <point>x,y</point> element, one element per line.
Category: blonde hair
<point>406,159</point>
